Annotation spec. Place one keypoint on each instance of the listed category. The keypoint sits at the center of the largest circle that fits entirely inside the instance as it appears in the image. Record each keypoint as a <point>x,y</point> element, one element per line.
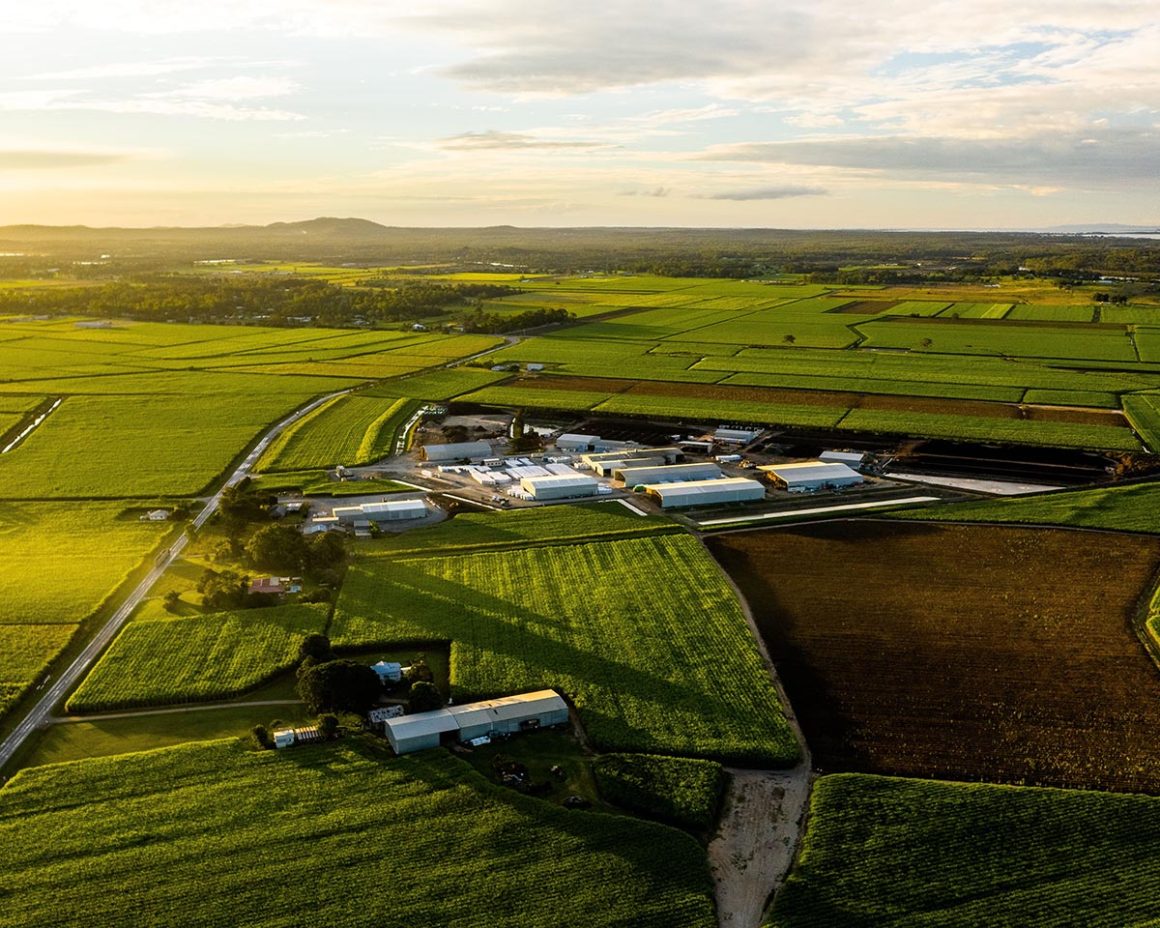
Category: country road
<point>40,714</point>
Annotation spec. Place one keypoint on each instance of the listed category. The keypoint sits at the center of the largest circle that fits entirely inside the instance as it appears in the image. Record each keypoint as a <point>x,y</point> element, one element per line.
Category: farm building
<point>608,468</point>
<point>812,475</point>
<point>459,451</point>
<point>624,455</point>
<point>420,731</point>
<point>510,714</point>
<point>506,715</point>
<point>706,492</point>
<point>735,436</point>
<point>392,511</point>
<point>388,671</point>
<point>289,737</point>
<point>854,459</point>
<point>559,486</point>
<point>633,475</point>
<point>271,585</point>
<point>571,441</point>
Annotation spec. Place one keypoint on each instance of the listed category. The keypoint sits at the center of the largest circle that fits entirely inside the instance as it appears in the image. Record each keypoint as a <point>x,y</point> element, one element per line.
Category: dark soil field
<point>960,652</point>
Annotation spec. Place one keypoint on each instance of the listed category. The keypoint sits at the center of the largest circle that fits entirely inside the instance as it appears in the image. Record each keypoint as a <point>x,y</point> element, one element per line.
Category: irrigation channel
<point>31,427</point>
<point>41,713</point>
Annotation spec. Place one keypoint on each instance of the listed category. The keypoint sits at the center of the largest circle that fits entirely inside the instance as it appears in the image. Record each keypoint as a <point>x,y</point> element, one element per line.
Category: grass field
<point>352,430</point>
<point>678,790</point>
<point>60,561</point>
<point>212,834</point>
<point>1128,508</point>
<point>200,658</point>
<point>642,634</point>
<point>1143,411</point>
<point>471,532</point>
<point>961,652</point>
<point>881,851</point>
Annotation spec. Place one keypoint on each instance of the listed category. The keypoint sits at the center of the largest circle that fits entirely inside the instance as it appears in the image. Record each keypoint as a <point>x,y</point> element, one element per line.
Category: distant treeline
<point>739,253</point>
<point>253,298</point>
<point>480,321</point>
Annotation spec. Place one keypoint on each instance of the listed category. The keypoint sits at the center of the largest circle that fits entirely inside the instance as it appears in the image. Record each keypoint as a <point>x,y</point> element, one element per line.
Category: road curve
<point>40,714</point>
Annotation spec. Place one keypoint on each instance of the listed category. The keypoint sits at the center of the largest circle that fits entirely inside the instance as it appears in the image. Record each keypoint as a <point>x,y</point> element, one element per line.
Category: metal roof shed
<point>510,714</point>
<point>459,451</point>
<point>812,475</point>
<point>633,475</point>
<point>420,731</point>
<point>853,458</point>
<point>559,487</point>
<point>571,441</point>
<point>394,510</point>
<point>706,492</point>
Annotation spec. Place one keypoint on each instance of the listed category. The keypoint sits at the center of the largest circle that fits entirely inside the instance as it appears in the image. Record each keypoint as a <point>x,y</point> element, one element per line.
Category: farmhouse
<point>806,476</point>
<point>559,486</point>
<point>634,475</point>
<point>459,451</point>
<point>155,515</point>
<point>270,585</point>
<point>392,511</point>
<point>705,492</point>
<point>506,715</point>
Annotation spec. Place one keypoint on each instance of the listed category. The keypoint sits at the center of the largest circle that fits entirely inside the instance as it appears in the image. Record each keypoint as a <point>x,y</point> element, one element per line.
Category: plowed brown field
<point>961,652</point>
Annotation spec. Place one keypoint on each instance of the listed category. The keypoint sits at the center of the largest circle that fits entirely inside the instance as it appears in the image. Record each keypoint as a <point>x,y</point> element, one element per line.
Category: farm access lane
<point>41,713</point>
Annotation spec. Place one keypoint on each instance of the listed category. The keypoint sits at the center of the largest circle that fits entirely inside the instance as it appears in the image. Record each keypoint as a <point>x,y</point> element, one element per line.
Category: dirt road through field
<point>756,841</point>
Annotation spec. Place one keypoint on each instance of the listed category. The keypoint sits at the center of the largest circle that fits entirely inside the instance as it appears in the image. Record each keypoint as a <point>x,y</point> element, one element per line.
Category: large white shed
<point>510,714</point>
<point>560,486</point>
<point>419,731</point>
<point>706,492</point>
<point>633,475</point>
<point>388,511</point>
<point>812,475</point>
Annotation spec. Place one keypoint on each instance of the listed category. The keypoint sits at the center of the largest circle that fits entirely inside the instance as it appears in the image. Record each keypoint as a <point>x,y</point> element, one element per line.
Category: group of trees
<point>493,323</point>
<point>269,299</point>
<point>328,683</point>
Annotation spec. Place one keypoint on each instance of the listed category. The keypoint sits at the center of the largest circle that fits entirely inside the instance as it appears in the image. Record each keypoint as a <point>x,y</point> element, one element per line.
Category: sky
<point>954,114</point>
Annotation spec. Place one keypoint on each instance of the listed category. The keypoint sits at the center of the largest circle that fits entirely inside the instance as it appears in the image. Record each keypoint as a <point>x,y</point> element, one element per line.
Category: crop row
<point>353,429</point>
<point>1143,411</point>
<point>216,656</point>
<point>681,790</point>
<point>210,834</point>
<point>643,634</point>
<point>955,854</point>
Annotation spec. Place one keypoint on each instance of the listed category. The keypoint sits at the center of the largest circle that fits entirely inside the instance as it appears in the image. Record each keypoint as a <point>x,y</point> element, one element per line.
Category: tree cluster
<point>493,323</point>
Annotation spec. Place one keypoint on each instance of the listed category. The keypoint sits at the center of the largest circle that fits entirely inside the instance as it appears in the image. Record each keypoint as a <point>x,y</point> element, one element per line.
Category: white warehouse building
<point>392,511</point>
<point>632,475</point>
<point>812,475</point>
<point>706,492</point>
<point>854,459</point>
<point>459,451</point>
<point>559,486</point>
<point>506,715</point>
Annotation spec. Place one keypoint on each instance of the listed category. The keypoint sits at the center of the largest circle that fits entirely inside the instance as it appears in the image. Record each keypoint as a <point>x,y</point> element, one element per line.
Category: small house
<point>270,585</point>
<point>155,515</point>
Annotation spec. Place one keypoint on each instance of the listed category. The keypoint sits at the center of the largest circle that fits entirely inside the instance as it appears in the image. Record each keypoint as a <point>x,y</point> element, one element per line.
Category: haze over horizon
<point>974,114</point>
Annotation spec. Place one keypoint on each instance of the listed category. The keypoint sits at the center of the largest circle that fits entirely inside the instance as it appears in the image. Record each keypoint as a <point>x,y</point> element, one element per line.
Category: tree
<point>317,646</point>
<point>224,589</point>
<point>326,550</point>
<point>328,724</point>
<point>261,736</point>
<point>277,547</point>
<point>171,599</point>
<point>419,670</point>
<point>341,685</point>
<point>425,696</point>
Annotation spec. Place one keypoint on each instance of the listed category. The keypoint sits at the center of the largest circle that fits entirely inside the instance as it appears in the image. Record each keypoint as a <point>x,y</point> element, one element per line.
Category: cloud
<point>243,87</point>
<point>31,159</point>
<point>155,104</point>
<point>508,141</point>
<point>651,192</point>
<point>118,69</point>
<point>783,192</point>
<point>1046,161</point>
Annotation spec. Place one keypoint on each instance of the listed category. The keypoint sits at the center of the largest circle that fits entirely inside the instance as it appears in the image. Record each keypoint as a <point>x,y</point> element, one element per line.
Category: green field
<point>438,385</point>
<point>470,532</point>
<point>882,851</point>
<point>352,430</point>
<point>213,834</point>
<point>60,561</point>
<point>215,656</point>
<point>679,790</point>
<point>1143,411</point>
<point>644,635</point>
<point>1128,508</point>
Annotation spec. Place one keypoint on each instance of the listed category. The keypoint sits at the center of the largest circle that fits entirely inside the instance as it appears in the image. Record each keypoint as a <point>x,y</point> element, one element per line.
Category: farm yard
<point>955,854</point>
<point>167,825</point>
<point>642,634</point>
<point>961,652</point>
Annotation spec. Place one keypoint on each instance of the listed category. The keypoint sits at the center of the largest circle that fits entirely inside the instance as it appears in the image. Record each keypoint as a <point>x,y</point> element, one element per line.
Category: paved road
<point>41,713</point>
